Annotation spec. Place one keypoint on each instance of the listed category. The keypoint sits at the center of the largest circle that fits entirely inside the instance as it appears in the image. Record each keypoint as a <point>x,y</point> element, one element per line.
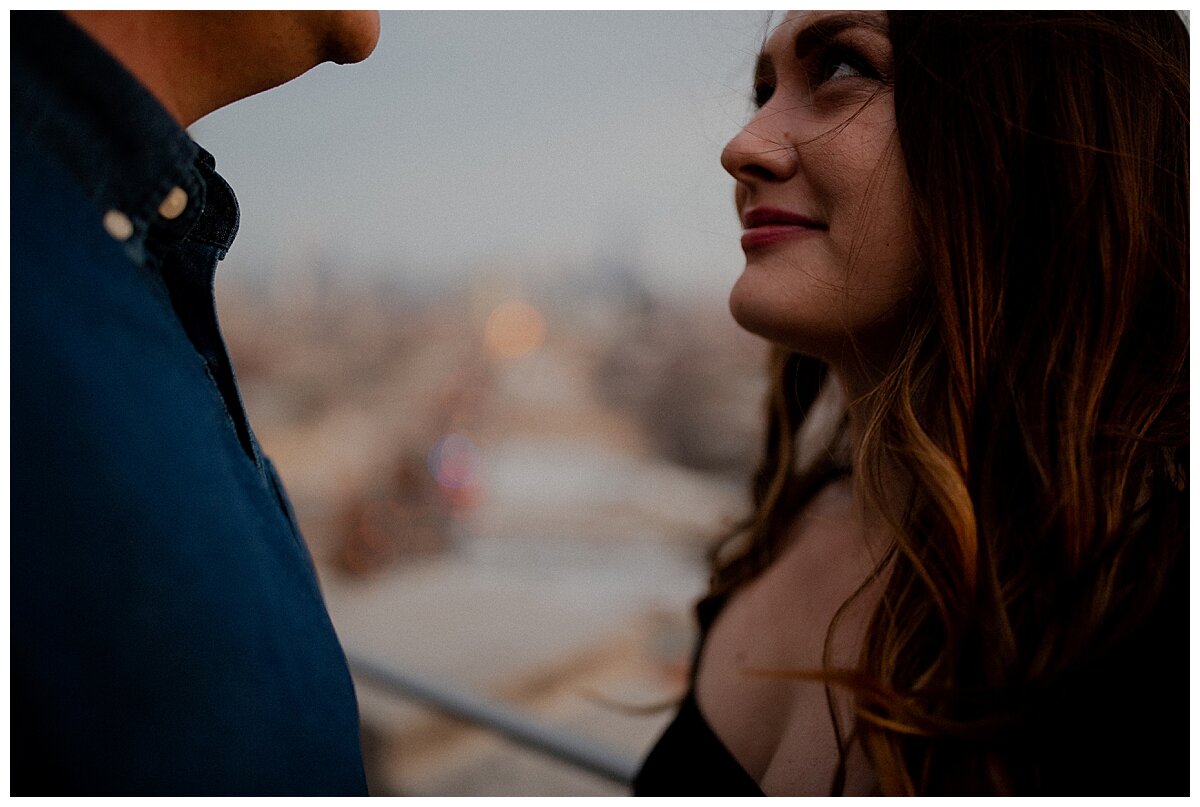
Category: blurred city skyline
<point>534,144</point>
<point>510,458</point>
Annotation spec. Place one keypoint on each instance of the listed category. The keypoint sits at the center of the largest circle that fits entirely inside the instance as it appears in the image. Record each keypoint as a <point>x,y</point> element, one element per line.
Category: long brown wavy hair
<point>1038,408</point>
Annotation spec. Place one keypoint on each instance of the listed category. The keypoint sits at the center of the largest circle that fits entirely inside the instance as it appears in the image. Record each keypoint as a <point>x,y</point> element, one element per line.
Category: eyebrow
<point>821,32</point>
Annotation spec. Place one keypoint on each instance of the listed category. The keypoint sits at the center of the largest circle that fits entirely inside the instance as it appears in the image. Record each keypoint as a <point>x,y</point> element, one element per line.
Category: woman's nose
<point>760,151</point>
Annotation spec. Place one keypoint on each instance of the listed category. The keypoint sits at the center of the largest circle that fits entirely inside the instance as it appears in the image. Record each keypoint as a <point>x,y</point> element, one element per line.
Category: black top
<point>1118,727</point>
<point>689,759</point>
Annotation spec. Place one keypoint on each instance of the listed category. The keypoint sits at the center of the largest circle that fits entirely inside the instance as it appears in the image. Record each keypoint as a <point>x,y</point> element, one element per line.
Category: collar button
<point>174,204</point>
<point>118,225</point>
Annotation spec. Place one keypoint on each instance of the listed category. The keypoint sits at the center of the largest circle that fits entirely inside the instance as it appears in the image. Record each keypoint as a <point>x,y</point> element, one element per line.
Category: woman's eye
<point>839,63</point>
<point>844,70</point>
<point>762,93</point>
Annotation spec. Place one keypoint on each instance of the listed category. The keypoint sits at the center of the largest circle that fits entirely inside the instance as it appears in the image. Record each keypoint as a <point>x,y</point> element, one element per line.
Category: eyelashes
<point>839,61</point>
<point>763,90</point>
<point>827,65</point>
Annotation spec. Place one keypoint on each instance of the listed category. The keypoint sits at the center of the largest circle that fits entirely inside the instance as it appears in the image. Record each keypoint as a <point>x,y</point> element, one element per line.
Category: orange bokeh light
<point>513,329</point>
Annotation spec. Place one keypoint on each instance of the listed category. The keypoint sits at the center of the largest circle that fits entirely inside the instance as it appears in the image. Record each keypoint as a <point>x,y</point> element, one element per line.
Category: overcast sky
<point>471,140</point>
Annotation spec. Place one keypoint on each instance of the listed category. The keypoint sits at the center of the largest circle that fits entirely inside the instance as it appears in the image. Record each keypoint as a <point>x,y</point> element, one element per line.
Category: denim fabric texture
<point>168,635</point>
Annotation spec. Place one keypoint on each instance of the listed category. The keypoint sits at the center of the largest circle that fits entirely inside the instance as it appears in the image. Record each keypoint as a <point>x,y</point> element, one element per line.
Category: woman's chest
<point>750,688</point>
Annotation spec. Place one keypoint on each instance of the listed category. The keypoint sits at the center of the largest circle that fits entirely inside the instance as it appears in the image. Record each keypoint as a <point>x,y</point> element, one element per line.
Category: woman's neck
<point>880,504</point>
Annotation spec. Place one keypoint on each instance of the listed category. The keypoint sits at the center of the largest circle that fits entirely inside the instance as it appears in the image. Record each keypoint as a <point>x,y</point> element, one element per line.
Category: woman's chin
<point>763,315</point>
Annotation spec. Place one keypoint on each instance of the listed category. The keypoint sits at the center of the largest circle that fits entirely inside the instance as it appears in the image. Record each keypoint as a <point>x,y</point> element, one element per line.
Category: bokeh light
<point>454,462</point>
<point>514,328</point>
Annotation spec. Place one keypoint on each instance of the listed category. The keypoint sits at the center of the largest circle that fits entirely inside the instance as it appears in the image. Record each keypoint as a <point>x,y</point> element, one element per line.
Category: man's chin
<point>353,36</point>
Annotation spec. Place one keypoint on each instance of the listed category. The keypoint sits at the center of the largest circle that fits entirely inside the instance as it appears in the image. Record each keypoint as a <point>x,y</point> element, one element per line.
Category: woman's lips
<point>758,237</point>
<point>765,226</point>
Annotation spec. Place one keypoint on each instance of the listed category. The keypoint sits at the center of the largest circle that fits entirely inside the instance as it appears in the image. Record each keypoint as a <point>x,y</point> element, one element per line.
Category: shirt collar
<point>148,180</point>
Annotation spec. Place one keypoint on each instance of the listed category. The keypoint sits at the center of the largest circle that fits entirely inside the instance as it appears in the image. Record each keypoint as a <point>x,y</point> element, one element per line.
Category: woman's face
<point>822,192</point>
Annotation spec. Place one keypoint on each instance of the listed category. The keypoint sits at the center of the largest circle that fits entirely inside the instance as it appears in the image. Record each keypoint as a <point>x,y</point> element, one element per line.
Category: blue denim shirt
<point>167,630</point>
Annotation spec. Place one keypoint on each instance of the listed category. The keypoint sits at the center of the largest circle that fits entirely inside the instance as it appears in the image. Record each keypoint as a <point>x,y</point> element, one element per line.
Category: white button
<point>118,225</point>
<point>174,204</point>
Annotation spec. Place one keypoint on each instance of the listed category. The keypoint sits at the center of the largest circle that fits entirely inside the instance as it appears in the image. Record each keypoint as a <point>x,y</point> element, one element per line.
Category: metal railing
<point>588,755</point>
